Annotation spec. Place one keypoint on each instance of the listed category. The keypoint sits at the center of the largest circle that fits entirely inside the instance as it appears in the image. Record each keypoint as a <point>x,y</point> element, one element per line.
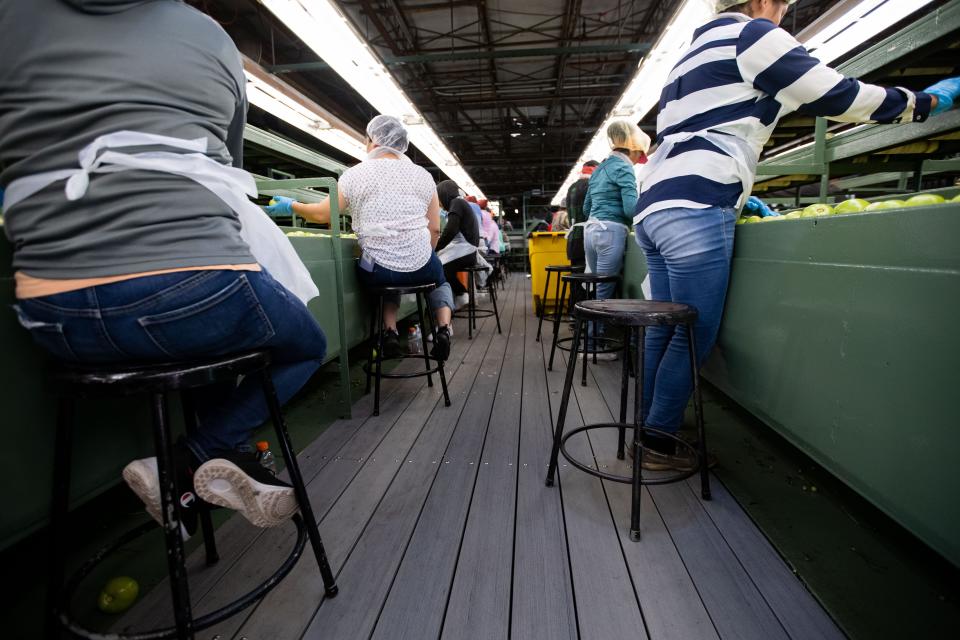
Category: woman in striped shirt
<point>722,101</point>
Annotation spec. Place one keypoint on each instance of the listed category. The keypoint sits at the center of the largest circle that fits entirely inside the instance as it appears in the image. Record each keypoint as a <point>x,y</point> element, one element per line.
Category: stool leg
<point>470,306</point>
<point>556,332</point>
<point>624,392</point>
<point>426,356</point>
<point>591,333</point>
<point>637,440</point>
<point>379,358</point>
<point>564,401</point>
<point>496,312</point>
<point>59,506</point>
<point>296,479</point>
<point>543,304</point>
<point>170,506</point>
<point>440,372</point>
<point>206,523</point>
<point>370,354</point>
<point>596,345</point>
<point>698,410</point>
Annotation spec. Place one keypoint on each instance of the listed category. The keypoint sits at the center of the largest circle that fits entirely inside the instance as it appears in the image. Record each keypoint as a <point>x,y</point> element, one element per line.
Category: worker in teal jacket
<point>611,201</point>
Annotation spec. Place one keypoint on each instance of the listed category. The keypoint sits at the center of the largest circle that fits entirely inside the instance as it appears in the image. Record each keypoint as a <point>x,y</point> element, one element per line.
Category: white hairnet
<point>627,135</point>
<point>723,5</point>
<point>388,132</point>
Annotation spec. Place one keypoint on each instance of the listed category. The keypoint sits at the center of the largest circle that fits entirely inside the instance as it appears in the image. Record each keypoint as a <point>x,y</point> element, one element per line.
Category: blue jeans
<point>688,257</point>
<point>185,316</point>
<point>604,250</point>
<point>430,273</point>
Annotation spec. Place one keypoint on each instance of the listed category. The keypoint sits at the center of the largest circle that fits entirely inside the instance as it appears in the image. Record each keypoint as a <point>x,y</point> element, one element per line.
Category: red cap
<point>472,199</point>
<point>483,204</point>
<point>263,445</point>
<point>587,170</point>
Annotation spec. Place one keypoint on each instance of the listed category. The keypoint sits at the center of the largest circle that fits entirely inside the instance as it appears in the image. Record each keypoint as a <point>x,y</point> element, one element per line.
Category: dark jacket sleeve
<point>454,216</point>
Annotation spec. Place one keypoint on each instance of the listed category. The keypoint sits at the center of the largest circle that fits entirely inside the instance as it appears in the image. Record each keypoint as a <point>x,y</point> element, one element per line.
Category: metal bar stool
<point>374,365</point>
<point>473,312</point>
<point>558,269</point>
<point>70,382</point>
<point>600,344</point>
<point>634,316</point>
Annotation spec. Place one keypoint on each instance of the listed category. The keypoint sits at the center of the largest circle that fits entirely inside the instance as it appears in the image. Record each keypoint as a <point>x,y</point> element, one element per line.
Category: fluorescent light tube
<point>280,99</point>
<point>324,28</point>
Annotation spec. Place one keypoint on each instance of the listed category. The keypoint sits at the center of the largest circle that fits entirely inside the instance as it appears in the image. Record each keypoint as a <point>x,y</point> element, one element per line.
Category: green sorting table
<point>840,333</point>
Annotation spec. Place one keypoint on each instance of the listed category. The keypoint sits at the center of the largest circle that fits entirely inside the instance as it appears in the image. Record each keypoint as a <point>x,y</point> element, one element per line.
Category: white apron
<point>268,244</point>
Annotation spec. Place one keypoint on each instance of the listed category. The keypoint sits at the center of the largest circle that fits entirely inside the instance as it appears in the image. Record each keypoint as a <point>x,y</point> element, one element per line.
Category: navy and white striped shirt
<point>723,100</point>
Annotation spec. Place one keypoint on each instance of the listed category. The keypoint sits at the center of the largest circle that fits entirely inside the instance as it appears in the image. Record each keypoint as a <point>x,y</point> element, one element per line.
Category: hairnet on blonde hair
<point>388,132</point>
<point>627,135</point>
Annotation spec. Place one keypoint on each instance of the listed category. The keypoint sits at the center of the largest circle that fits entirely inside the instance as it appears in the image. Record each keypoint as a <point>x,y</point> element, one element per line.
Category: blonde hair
<point>627,135</point>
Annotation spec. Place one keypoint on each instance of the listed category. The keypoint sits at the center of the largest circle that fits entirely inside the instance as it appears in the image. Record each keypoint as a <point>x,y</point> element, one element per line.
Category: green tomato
<point>118,594</point>
<point>884,205</point>
<point>925,200</point>
<point>854,205</point>
<point>956,198</point>
<point>753,219</point>
<point>772,218</point>
<point>792,215</point>
<point>817,210</point>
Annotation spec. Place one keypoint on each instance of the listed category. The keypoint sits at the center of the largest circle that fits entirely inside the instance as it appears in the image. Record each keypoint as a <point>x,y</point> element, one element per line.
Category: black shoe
<point>144,479</point>
<point>391,344</point>
<point>238,481</point>
<point>441,347</point>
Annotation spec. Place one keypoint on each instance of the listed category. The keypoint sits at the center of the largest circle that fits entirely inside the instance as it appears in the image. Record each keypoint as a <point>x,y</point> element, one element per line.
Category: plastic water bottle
<point>265,456</point>
<point>415,339</point>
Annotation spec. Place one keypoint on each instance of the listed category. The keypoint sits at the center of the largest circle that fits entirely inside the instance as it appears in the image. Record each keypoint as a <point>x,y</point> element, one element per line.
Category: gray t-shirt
<point>73,70</point>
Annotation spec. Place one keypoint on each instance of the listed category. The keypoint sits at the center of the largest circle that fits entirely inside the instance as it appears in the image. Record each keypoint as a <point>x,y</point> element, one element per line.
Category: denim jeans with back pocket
<point>688,255</point>
<point>186,316</point>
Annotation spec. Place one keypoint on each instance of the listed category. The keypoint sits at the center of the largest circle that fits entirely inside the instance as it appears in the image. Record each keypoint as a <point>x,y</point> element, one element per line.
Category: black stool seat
<point>592,278</point>
<point>564,268</point>
<point>636,313</point>
<point>407,289</point>
<point>474,268</point>
<point>129,379</point>
<point>158,381</point>
<point>634,316</point>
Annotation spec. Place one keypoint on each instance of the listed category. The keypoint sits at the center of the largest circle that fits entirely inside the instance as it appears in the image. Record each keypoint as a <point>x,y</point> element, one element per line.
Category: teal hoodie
<point>612,192</point>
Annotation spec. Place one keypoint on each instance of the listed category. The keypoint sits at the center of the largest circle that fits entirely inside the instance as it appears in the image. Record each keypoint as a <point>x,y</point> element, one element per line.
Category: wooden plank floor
<point>438,525</point>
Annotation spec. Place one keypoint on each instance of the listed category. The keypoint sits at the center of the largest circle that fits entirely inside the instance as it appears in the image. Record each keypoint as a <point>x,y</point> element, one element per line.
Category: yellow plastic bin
<point>546,248</point>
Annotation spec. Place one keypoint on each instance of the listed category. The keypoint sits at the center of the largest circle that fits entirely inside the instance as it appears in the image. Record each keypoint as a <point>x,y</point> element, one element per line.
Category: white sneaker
<point>245,486</point>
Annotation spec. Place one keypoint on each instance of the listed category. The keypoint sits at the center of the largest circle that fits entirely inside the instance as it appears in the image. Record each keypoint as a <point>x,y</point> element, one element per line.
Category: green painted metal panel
<point>840,334</point>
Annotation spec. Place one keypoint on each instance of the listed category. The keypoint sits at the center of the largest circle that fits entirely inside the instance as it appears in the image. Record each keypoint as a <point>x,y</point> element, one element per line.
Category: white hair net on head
<point>388,132</point>
<point>723,5</point>
<point>627,135</point>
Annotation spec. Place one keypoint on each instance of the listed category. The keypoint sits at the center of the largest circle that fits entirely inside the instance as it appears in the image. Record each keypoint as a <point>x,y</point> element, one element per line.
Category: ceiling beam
<point>489,54</point>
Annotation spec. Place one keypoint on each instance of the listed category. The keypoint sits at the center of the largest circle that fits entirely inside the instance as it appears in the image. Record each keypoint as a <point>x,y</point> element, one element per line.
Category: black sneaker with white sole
<point>238,481</point>
<point>391,344</point>
<point>144,479</point>
<point>441,350</point>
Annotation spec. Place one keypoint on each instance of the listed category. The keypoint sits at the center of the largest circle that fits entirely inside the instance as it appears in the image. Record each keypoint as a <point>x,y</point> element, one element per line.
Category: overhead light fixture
<point>327,31</point>
<point>280,99</point>
<point>856,25</point>
<point>643,90</point>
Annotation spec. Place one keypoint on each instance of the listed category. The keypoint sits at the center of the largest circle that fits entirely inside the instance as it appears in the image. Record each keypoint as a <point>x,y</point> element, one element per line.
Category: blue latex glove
<point>280,206</point>
<point>947,92</point>
<point>757,207</point>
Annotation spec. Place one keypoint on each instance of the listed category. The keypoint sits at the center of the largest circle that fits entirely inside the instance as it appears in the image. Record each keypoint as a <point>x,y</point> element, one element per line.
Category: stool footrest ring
<point>609,345</point>
<point>203,622</point>
<point>410,356</point>
<point>674,477</point>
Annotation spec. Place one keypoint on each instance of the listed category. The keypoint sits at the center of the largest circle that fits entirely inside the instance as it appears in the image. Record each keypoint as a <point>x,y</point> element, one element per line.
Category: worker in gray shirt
<point>119,123</point>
